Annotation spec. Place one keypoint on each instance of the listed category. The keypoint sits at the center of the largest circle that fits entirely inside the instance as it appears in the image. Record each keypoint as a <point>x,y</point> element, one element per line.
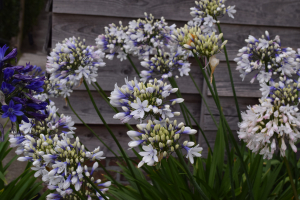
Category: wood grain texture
<point>273,12</point>
<point>242,88</point>
<point>228,105</point>
<point>81,103</point>
<point>89,27</point>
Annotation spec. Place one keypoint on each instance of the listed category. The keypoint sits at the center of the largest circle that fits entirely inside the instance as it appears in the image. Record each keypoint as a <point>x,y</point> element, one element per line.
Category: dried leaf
<point>213,62</point>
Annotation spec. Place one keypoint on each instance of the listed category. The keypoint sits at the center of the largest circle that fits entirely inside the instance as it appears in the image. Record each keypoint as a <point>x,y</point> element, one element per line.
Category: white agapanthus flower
<point>71,62</point>
<point>165,65</point>
<point>193,151</point>
<point>60,163</point>
<point>141,100</point>
<point>159,139</point>
<point>149,156</point>
<point>268,126</point>
<point>267,57</point>
<point>206,8</point>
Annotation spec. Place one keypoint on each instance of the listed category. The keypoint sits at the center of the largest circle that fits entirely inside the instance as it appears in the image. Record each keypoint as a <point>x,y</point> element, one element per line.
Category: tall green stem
<point>231,79</point>
<point>90,129</point>
<point>112,134</point>
<point>225,137</point>
<point>286,162</point>
<point>203,99</point>
<point>174,84</point>
<point>102,93</point>
<point>231,137</point>
<point>133,65</point>
<point>104,96</point>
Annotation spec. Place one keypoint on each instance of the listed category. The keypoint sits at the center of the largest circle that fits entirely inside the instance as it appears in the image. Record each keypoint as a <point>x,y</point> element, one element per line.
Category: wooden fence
<point>87,19</point>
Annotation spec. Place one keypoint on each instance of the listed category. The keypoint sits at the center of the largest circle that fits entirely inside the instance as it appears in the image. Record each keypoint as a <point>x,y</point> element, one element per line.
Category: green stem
<point>91,129</point>
<point>203,99</point>
<point>231,137</point>
<point>231,79</point>
<point>207,143</point>
<point>5,123</point>
<point>286,162</point>
<point>183,109</point>
<point>111,133</point>
<point>205,77</point>
<point>104,97</point>
<point>103,94</point>
<point>174,84</point>
<point>135,69</point>
<point>225,136</point>
<point>197,187</point>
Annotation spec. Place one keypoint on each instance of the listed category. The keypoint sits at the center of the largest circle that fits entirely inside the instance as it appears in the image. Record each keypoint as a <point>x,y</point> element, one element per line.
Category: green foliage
<point>23,187</point>
<point>268,178</point>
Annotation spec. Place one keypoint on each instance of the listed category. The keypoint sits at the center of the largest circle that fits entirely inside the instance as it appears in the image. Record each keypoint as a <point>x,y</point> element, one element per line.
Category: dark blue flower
<point>7,88</point>
<point>41,106</point>
<point>28,68</point>
<point>36,86</point>
<point>12,54</point>
<point>23,77</point>
<point>12,111</point>
<point>8,73</point>
<point>37,116</point>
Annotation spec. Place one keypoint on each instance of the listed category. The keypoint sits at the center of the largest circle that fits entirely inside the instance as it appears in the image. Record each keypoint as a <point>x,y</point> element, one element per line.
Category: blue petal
<point>5,108</point>
<point>11,104</point>
<point>13,118</point>
<point>4,115</point>
<point>25,118</point>
<point>18,107</point>
<point>19,113</point>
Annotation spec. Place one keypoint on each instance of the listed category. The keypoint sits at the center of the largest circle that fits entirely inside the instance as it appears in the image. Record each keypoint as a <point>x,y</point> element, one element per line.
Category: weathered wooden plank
<point>115,71</point>
<point>209,124</point>
<point>89,27</point>
<point>255,12</point>
<point>81,103</point>
<point>229,110</point>
<point>242,88</point>
<point>228,105</point>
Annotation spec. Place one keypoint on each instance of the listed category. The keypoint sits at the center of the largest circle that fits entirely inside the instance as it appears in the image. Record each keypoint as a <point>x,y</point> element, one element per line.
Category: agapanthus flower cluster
<point>164,64</point>
<point>267,57</point>
<point>70,63</point>
<point>159,139</point>
<point>147,35</point>
<point>51,125</point>
<point>268,126</point>
<point>215,8</point>
<point>60,163</point>
<point>19,84</point>
<point>206,13</point>
<point>191,38</point>
<point>286,90</point>
<point>113,41</point>
<point>141,38</point>
<point>141,100</point>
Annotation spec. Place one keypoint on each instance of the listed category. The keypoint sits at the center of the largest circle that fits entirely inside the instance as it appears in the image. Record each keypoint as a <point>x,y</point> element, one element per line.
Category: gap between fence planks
<point>254,12</point>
